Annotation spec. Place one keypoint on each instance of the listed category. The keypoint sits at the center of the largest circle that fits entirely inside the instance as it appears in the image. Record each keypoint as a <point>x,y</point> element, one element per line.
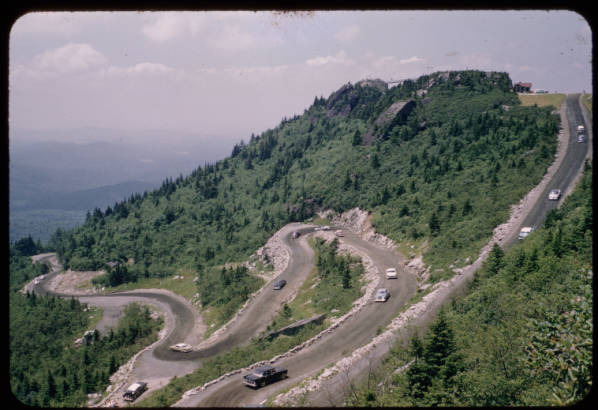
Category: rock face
<point>382,86</point>
<point>350,98</point>
<point>397,113</point>
<point>294,327</point>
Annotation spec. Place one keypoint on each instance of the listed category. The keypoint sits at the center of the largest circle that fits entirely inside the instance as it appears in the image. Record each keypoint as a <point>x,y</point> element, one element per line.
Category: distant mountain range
<point>79,170</point>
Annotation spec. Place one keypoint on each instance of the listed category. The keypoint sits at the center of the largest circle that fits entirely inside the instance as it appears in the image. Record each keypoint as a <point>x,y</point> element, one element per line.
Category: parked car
<point>526,230</point>
<point>554,195</point>
<point>135,390</point>
<point>181,347</point>
<point>581,138</point>
<point>382,295</point>
<point>326,228</point>
<point>391,273</point>
<point>279,284</point>
<point>339,233</point>
<point>264,375</point>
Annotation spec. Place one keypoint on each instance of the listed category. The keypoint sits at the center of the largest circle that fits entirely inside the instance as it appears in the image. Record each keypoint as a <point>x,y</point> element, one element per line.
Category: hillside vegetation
<point>542,100</point>
<point>46,368</point>
<point>441,172</point>
<point>521,336</point>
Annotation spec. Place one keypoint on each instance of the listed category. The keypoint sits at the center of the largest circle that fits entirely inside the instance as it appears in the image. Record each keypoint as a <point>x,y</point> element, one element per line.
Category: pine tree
<point>495,259</point>
<point>375,161</point>
<point>50,388</point>
<point>440,342</point>
<point>356,138</point>
<point>434,224</point>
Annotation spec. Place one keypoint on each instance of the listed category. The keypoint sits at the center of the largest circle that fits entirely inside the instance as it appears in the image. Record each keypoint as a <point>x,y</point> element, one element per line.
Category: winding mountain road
<point>159,363</point>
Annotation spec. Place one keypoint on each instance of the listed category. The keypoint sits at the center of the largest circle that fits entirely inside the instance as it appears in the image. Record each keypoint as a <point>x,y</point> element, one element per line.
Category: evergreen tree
<point>495,259</point>
<point>356,138</point>
<point>375,161</point>
<point>434,224</point>
<point>50,388</point>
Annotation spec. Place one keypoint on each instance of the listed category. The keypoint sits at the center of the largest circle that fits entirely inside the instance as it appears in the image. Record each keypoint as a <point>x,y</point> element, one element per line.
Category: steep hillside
<point>442,173</point>
<point>521,336</point>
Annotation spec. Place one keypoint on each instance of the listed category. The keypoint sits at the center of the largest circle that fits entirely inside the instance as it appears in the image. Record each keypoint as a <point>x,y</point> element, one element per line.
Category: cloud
<point>411,60</point>
<point>233,37</point>
<point>73,57</point>
<point>169,26</point>
<point>141,69</point>
<point>339,58</point>
<point>347,34</point>
<point>383,62</point>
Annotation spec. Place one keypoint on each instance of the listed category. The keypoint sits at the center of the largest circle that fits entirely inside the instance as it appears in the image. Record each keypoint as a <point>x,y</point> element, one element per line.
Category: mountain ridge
<point>443,176</point>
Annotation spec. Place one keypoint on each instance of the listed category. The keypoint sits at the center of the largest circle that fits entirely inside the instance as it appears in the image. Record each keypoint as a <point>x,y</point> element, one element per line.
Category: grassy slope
<point>587,100</point>
<point>542,100</point>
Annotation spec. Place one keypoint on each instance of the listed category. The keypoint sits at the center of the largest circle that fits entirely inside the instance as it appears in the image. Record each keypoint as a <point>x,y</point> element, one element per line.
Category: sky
<point>230,74</point>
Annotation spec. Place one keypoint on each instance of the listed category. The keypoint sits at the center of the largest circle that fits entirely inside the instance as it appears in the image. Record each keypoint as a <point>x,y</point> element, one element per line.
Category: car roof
<point>136,385</point>
<point>263,368</point>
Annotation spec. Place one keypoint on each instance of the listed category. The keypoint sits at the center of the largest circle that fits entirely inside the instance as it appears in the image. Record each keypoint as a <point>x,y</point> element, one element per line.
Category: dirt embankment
<point>75,282</point>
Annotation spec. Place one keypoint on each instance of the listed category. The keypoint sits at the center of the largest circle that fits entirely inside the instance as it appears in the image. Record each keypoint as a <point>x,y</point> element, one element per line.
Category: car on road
<point>135,390</point>
<point>295,235</point>
<point>325,228</point>
<point>339,233</point>
<point>526,230</point>
<point>391,273</point>
<point>279,284</point>
<point>382,295</point>
<point>181,347</point>
<point>554,195</point>
<point>263,375</point>
<point>581,138</point>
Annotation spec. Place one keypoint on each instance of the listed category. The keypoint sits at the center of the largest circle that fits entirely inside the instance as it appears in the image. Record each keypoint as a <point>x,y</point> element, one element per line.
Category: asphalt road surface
<point>569,169</point>
<point>353,333</point>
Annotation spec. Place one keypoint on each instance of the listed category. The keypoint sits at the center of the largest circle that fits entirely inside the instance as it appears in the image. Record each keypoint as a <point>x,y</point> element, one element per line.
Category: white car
<point>325,228</point>
<point>554,195</point>
<point>382,295</point>
<point>339,233</point>
<point>181,347</point>
<point>391,273</point>
<point>526,230</point>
